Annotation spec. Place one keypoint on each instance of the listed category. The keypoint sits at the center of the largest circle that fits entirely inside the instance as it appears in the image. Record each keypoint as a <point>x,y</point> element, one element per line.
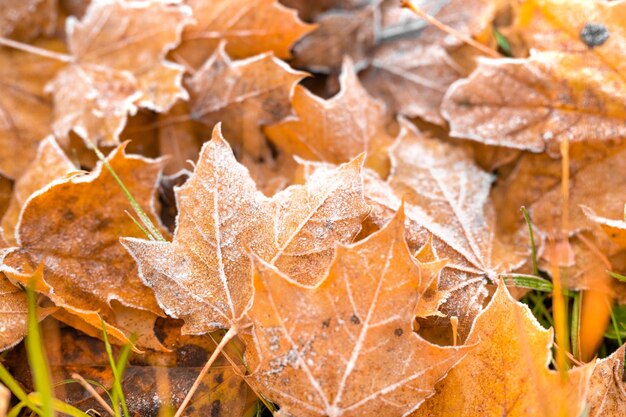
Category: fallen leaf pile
<point>335,184</point>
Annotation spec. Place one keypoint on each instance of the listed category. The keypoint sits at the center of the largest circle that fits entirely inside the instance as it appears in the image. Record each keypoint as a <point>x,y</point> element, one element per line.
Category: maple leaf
<point>406,63</point>
<point>178,141</point>
<point>337,129</point>
<point>333,349</point>
<point>117,66</point>
<point>559,92</point>
<point>243,95</point>
<point>535,182</point>
<point>204,275</point>
<point>49,164</point>
<point>73,226</point>
<point>453,206</point>
<point>607,392</point>
<point>249,27</point>
<point>25,109</point>
<point>13,314</point>
<point>514,381</point>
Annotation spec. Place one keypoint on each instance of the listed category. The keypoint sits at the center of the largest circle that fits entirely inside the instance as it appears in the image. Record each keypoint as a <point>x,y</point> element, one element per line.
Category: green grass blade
<point>617,276</point>
<point>59,406</point>
<point>16,389</point>
<point>117,392</point>
<point>15,411</point>
<point>36,355</point>
<point>533,247</point>
<point>140,226</point>
<point>90,381</point>
<point>530,281</point>
<point>503,43</point>
<point>618,335</point>
<point>154,232</point>
<point>575,324</point>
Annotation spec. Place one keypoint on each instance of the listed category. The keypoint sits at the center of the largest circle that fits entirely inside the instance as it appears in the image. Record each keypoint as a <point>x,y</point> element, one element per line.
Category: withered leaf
<point>243,95</point>
<point>333,349</point>
<point>27,19</point>
<point>13,314</point>
<point>118,65</point>
<point>49,164</point>
<point>73,226</point>
<point>595,185</point>
<point>506,372</point>
<point>447,196</point>
<point>340,33</point>
<point>204,275</point>
<point>25,109</point>
<point>412,79</point>
<point>607,389</point>
<point>406,63</point>
<point>560,91</point>
<point>249,27</point>
<point>337,129</point>
<point>179,141</point>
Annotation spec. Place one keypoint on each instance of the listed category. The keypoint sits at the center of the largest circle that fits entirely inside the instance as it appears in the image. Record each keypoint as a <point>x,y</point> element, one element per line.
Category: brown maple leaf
<point>25,109</point>
<point>250,27</point>
<point>407,64</point>
<point>446,196</point>
<point>506,372</point>
<point>335,349</point>
<point>337,129</point>
<point>244,95</point>
<point>117,65</point>
<point>72,226</point>
<point>204,275</point>
<point>607,389</point>
<point>560,91</point>
<point>13,314</point>
<point>49,164</point>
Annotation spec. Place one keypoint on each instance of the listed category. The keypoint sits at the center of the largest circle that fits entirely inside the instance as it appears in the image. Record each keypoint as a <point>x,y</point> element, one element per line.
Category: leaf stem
<point>35,51</point>
<point>442,26</point>
<point>232,332</point>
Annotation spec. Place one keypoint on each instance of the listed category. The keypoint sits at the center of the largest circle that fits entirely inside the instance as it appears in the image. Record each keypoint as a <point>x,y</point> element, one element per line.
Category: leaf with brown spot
<point>250,27</point>
<point>49,164</point>
<point>25,109</point>
<point>337,129</point>
<point>118,66</point>
<point>345,347</point>
<point>560,91</point>
<point>607,389</point>
<point>73,226</point>
<point>446,196</point>
<point>204,275</point>
<point>244,95</point>
<point>506,372</point>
